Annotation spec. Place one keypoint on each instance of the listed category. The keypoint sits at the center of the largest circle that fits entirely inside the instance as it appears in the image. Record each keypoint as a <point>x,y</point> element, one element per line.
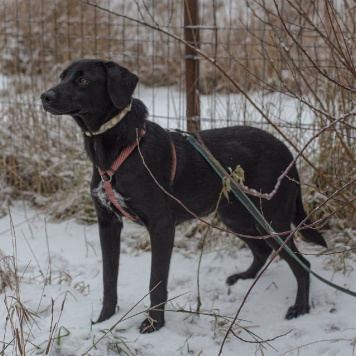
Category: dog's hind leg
<point>162,237</point>
<point>302,276</point>
<point>259,248</point>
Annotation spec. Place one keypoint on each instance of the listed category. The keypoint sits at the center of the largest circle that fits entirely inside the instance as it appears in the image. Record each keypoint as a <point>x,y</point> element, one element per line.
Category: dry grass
<point>40,36</point>
<point>42,160</point>
<point>8,275</point>
<point>19,320</point>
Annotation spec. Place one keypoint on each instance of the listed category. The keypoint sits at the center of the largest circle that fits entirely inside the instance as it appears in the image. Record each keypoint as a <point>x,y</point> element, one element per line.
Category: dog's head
<point>91,89</point>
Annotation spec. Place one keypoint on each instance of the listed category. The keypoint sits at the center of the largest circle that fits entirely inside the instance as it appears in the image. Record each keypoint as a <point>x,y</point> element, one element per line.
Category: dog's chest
<point>102,198</point>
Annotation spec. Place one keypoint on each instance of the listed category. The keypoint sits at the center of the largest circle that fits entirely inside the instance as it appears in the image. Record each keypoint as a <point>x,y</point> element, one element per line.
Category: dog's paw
<point>297,310</point>
<point>106,313</point>
<point>232,279</point>
<point>149,326</point>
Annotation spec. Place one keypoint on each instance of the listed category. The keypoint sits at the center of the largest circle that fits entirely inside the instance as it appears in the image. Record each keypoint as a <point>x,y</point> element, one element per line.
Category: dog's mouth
<point>54,103</point>
<point>59,110</point>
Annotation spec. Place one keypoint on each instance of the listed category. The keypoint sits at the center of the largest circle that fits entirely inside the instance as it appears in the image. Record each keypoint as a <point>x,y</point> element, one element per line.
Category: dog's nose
<point>48,96</point>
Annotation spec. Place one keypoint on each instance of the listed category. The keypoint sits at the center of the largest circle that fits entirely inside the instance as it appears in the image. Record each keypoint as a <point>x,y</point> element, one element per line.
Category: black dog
<point>93,92</point>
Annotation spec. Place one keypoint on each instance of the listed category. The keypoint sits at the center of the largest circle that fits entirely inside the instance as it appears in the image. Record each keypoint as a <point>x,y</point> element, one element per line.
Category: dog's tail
<point>310,234</point>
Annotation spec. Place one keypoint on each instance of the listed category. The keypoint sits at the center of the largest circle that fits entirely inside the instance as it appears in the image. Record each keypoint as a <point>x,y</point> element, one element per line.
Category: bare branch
<point>324,74</point>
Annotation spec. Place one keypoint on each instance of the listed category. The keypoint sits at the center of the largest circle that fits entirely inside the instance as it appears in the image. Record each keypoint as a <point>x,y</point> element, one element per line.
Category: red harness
<point>106,176</point>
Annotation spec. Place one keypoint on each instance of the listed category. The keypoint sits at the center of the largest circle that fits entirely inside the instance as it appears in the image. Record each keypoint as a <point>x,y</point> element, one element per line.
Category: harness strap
<point>110,193</point>
<point>106,176</point>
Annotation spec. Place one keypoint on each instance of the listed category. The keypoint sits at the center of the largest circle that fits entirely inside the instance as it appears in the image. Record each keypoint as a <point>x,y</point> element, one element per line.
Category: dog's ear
<point>121,84</point>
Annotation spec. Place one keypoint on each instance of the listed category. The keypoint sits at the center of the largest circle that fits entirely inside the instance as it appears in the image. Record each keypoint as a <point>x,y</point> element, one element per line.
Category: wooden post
<point>191,34</point>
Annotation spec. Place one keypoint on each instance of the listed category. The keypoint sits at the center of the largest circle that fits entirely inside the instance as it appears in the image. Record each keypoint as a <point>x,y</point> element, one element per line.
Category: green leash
<point>245,200</point>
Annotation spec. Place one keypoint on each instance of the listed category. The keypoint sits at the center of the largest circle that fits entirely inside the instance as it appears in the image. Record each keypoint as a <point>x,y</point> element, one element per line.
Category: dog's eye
<point>83,81</point>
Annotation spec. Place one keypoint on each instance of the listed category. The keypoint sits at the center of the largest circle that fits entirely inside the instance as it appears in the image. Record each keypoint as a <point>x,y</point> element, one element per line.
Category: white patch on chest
<point>104,200</point>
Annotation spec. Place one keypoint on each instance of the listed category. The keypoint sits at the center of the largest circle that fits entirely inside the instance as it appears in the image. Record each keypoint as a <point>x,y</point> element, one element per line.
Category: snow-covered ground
<point>61,262</point>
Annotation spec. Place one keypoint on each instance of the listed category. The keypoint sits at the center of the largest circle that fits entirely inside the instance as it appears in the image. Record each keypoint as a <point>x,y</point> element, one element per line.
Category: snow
<point>61,262</point>
<point>167,106</point>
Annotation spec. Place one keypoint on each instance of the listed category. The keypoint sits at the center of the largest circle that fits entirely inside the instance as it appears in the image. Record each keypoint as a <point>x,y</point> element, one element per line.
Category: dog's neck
<point>103,149</point>
<point>111,123</point>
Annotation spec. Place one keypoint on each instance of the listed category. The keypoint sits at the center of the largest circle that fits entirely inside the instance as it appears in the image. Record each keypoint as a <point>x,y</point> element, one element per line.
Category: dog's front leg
<point>162,237</point>
<point>109,230</point>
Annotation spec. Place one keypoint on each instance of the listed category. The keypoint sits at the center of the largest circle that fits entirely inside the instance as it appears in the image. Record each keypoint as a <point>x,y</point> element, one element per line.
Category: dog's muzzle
<point>48,96</point>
